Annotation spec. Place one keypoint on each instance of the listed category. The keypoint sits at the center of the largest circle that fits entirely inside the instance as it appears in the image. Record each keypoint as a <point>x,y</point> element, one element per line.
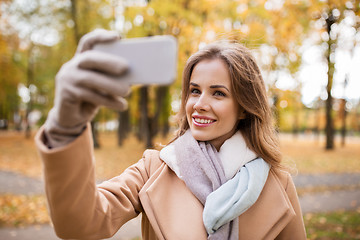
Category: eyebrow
<point>219,86</point>
<point>212,86</point>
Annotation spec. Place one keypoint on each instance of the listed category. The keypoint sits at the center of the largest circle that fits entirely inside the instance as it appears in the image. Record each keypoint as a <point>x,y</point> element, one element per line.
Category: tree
<point>330,19</point>
<point>332,14</point>
<point>9,79</point>
<point>28,23</point>
<point>145,120</point>
<point>274,29</point>
<point>124,126</point>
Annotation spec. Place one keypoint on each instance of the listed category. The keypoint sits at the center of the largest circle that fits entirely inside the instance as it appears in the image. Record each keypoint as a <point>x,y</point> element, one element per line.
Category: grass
<point>335,225</point>
<point>18,154</point>
<point>19,210</point>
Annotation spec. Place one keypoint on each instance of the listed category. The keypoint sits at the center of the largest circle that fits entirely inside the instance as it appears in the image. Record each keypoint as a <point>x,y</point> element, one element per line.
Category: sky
<point>313,76</point>
<point>313,71</point>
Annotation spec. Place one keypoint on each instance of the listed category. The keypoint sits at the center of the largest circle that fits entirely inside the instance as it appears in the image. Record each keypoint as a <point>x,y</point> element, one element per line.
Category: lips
<point>202,121</point>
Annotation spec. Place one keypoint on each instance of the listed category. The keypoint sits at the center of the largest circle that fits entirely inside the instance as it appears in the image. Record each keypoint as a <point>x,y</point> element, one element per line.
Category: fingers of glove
<point>103,62</point>
<point>89,96</point>
<point>71,76</point>
<point>94,37</point>
<point>102,83</point>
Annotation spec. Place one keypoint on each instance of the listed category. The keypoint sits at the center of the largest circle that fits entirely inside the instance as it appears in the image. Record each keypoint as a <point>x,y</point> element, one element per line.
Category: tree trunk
<point>276,111</point>
<point>30,80</point>
<point>343,113</point>
<point>343,121</point>
<point>166,128</point>
<point>74,18</point>
<point>145,121</point>
<point>160,107</point>
<point>317,120</point>
<point>329,128</point>
<point>297,109</point>
<point>95,134</point>
<point>166,113</point>
<point>296,123</point>
<point>124,126</point>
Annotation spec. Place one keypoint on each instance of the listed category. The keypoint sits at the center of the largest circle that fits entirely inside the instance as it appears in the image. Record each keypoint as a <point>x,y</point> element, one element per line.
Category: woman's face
<point>211,109</point>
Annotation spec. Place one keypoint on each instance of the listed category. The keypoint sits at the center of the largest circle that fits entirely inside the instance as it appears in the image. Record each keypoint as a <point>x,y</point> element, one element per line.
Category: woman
<point>220,178</point>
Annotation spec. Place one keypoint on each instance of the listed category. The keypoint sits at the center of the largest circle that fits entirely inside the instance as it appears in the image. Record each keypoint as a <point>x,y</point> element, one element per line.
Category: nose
<point>202,104</point>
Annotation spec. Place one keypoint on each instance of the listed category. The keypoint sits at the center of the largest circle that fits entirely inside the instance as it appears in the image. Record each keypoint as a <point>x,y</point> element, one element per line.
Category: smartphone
<point>152,60</point>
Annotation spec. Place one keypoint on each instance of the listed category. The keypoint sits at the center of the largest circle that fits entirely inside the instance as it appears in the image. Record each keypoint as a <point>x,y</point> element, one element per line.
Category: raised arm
<point>83,84</point>
<point>79,209</point>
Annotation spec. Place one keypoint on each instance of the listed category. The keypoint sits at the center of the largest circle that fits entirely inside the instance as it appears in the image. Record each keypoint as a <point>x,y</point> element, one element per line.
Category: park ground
<point>328,183</point>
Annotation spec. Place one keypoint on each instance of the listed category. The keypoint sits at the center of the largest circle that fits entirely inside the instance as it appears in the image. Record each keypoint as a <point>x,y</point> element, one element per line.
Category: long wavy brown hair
<point>248,88</point>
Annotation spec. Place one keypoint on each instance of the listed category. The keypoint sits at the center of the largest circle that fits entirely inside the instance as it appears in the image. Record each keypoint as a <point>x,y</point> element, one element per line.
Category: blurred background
<point>309,54</point>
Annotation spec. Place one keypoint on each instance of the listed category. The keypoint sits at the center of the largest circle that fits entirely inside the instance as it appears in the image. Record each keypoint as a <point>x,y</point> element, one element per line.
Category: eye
<point>194,91</point>
<point>219,94</point>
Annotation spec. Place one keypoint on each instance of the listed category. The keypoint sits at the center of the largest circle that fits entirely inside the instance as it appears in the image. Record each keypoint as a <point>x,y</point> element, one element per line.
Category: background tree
<point>9,80</point>
<point>331,14</point>
<point>28,23</point>
<point>276,31</point>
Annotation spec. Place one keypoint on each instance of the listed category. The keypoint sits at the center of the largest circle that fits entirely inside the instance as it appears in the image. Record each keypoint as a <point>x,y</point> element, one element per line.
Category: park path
<point>331,200</point>
<point>312,202</point>
<point>19,184</point>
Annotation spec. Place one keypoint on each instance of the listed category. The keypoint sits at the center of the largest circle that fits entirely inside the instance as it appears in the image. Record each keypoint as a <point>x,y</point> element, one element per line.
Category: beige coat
<point>169,210</point>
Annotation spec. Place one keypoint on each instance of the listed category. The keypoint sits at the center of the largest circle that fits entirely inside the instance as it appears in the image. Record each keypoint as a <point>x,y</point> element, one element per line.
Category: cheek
<point>188,112</point>
<point>229,112</point>
<point>189,106</point>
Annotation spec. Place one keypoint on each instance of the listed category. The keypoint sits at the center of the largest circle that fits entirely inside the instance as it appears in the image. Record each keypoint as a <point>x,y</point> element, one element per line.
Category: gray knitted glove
<point>83,84</point>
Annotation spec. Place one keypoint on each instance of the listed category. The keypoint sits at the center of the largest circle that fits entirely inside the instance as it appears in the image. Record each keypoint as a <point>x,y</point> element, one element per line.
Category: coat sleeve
<point>79,209</point>
<point>295,229</point>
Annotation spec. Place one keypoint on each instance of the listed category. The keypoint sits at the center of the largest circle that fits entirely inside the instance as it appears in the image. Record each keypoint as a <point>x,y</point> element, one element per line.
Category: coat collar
<point>234,153</point>
<point>174,211</point>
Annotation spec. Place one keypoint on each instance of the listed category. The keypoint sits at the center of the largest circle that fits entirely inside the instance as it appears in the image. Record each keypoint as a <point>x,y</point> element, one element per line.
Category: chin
<point>200,137</point>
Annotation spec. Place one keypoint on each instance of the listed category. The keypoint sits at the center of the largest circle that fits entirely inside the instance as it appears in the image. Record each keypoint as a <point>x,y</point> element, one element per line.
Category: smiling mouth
<point>202,121</point>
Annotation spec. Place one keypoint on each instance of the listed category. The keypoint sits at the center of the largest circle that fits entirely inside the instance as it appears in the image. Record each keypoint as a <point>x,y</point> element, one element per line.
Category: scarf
<point>227,182</point>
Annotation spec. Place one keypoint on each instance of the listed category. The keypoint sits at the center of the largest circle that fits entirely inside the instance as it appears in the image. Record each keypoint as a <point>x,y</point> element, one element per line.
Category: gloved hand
<point>82,85</point>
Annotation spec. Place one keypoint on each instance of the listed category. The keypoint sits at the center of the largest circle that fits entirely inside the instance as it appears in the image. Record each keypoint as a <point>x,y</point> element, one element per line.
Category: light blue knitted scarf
<point>235,196</point>
<point>198,164</point>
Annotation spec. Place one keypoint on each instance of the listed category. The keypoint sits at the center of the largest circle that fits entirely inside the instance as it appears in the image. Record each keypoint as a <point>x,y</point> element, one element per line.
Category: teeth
<point>203,121</point>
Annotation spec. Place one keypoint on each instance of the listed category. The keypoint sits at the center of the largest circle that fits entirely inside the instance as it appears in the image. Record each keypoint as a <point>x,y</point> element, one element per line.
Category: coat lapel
<point>270,213</point>
<point>173,211</point>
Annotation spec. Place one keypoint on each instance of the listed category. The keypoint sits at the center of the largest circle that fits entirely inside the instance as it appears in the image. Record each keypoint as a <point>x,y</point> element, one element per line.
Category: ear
<point>242,114</point>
